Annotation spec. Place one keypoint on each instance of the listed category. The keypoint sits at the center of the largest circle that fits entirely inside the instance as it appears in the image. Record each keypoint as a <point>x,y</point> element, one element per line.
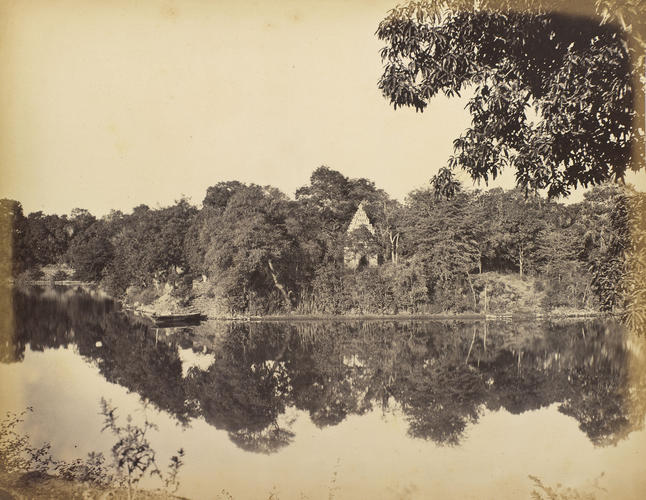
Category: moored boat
<point>178,319</point>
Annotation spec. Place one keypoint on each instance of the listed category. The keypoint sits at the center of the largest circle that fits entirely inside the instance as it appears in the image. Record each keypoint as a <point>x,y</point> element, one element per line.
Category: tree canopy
<point>259,252</point>
<point>555,94</point>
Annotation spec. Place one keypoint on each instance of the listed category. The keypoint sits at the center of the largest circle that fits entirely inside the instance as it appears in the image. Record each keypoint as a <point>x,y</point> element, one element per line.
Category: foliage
<point>264,253</point>
<point>60,275</point>
<point>330,293</point>
<point>387,289</point>
<point>149,245</point>
<point>218,196</point>
<point>91,251</point>
<point>133,456</point>
<point>567,289</point>
<point>47,237</point>
<point>92,470</point>
<point>408,286</point>
<point>16,452</point>
<point>141,295</point>
<point>544,491</point>
<point>554,95</point>
<point>607,261</point>
<point>249,250</point>
<point>634,279</point>
<point>438,234</point>
<point>14,257</point>
<point>445,184</point>
<point>171,482</point>
<point>35,274</point>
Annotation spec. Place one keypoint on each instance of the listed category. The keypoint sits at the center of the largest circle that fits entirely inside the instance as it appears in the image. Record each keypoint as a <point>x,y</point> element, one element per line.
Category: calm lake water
<point>373,409</point>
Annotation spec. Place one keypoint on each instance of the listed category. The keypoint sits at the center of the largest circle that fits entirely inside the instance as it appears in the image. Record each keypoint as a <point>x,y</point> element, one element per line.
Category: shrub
<point>60,275</point>
<point>35,274</point>
<point>330,290</point>
<point>183,288</point>
<point>143,295</point>
<point>374,292</point>
<point>16,452</point>
<point>133,455</point>
<point>452,296</point>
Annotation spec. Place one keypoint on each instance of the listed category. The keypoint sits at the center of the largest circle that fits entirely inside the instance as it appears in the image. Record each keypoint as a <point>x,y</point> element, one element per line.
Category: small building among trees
<point>361,248</point>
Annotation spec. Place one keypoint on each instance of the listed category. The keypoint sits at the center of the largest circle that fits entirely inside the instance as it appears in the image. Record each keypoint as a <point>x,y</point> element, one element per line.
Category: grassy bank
<point>495,296</point>
<point>17,485</point>
<point>492,295</point>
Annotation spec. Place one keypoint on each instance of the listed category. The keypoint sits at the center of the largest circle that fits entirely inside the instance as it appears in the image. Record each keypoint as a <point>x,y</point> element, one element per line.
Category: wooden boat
<point>178,319</point>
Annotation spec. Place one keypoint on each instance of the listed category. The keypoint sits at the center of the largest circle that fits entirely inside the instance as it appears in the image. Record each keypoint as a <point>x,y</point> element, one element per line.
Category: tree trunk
<point>520,261</point>
<point>397,248</point>
<point>394,241</point>
<point>473,292</point>
<point>280,287</point>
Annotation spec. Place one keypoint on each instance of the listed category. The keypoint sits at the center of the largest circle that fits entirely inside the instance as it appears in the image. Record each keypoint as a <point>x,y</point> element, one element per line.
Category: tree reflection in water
<point>441,376</point>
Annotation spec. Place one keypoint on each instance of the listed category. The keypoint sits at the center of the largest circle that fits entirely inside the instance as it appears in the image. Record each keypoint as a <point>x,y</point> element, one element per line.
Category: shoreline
<point>288,317</point>
<point>149,312</point>
<point>411,317</point>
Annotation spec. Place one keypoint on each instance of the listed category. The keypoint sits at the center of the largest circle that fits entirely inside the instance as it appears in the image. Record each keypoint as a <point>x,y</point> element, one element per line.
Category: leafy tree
<point>91,251</point>
<point>445,184</point>
<point>219,195</point>
<point>199,238</point>
<point>385,215</point>
<point>47,237</point>
<point>437,233</point>
<point>606,243</point>
<point>493,219</point>
<point>149,245</point>
<point>556,96</point>
<point>634,280</point>
<point>32,241</point>
<point>523,223</point>
<point>80,219</point>
<point>250,253</point>
<point>558,258</point>
<point>618,259</point>
<point>199,235</point>
<point>14,255</point>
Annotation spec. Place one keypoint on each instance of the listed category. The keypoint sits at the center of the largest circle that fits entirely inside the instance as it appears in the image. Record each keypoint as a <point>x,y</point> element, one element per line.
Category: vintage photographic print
<point>308,249</point>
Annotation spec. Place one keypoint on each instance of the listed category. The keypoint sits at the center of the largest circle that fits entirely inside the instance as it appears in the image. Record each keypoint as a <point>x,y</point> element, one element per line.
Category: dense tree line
<point>262,252</point>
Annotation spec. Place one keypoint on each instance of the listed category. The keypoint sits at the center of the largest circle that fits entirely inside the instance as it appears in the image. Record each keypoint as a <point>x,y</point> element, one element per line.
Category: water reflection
<point>441,376</point>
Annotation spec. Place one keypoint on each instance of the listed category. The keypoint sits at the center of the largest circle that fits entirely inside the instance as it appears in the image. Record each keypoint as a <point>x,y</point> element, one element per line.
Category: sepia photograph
<point>322,249</point>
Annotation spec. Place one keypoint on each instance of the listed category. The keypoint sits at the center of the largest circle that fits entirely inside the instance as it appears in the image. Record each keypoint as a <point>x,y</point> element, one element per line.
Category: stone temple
<point>359,247</point>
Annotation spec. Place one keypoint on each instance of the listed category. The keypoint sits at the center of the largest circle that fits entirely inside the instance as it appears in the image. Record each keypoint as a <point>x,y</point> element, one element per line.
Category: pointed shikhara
<point>360,244</point>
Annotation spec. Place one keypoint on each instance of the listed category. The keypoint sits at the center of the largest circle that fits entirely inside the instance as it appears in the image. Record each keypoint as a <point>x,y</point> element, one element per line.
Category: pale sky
<point>110,104</point>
